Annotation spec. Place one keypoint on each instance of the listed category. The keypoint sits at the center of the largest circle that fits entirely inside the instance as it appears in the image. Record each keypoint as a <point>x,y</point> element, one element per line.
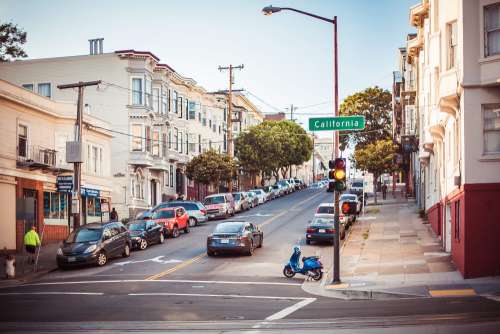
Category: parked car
<point>322,228</point>
<point>144,233</point>
<point>252,199</point>
<point>287,186</point>
<point>269,191</point>
<point>234,236</point>
<point>219,205</point>
<point>351,198</point>
<point>173,220</point>
<point>94,243</point>
<point>262,196</point>
<point>277,190</point>
<point>328,208</point>
<point>241,202</point>
<point>196,211</point>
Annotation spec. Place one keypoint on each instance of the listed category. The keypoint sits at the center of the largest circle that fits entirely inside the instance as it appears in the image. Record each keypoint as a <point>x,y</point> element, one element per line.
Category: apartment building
<point>35,180</point>
<point>159,118</point>
<point>457,56</point>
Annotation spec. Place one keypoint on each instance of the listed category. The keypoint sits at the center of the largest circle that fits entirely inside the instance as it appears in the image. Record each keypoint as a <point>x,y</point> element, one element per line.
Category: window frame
<point>451,45</point>
<point>29,84</point>
<point>133,91</point>
<point>486,31</point>
<point>41,84</point>
<point>27,153</point>
<point>134,139</point>
<point>484,108</point>
<point>155,146</point>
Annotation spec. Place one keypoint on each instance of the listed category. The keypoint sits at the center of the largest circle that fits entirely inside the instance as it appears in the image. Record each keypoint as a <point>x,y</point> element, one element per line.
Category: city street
<point>176,286</point>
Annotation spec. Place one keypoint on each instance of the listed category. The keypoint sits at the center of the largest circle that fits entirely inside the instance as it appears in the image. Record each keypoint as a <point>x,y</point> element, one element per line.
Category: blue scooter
<point>311,267</point>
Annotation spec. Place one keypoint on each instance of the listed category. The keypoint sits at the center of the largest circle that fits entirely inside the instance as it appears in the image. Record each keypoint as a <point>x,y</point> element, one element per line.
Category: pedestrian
<point>113,215</point>
<point>31,242</point>
<point>384,191</point>
<point>10,265</point>
<point>181,197</point>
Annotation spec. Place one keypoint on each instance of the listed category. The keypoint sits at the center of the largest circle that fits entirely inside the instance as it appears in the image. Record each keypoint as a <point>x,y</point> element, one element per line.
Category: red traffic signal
<point>346,208</point>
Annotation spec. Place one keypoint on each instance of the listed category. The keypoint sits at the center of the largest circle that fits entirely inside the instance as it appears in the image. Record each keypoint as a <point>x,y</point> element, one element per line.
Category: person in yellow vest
<point>31,242</point>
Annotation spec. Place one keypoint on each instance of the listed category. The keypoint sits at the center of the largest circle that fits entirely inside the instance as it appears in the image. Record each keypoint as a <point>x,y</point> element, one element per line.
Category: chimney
<point>96,46</point>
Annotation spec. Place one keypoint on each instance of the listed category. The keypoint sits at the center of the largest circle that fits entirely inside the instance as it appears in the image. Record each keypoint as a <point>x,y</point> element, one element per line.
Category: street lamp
<point>269,10</point>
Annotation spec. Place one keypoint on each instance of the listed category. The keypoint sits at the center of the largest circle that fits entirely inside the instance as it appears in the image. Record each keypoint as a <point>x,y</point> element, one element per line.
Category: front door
<point>154,199</point>
<point>179,182</point>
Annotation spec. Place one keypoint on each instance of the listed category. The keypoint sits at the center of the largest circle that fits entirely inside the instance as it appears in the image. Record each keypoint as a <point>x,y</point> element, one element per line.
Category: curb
<point>25,279</point>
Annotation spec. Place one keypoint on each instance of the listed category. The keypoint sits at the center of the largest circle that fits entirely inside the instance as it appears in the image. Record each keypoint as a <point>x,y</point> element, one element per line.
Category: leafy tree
<point>376,158</point>
<point>11,39</point>
<point>211,167</point>
<point>375,104</point>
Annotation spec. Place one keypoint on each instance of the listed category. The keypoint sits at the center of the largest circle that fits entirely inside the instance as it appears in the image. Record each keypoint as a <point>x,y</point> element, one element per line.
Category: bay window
<point>137,91</point>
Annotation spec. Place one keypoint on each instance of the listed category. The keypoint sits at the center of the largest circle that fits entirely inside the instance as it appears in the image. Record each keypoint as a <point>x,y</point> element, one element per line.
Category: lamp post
<point>269,10</point>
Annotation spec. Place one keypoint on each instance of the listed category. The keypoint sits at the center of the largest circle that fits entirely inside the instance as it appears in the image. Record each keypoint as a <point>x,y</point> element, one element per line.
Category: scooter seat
<point>310,257</point>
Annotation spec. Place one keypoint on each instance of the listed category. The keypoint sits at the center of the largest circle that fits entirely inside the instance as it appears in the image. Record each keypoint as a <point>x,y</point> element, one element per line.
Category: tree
<point>376,105</point>
<point>376,158</point>
<point>273,146</point>
<point>11,39</point>
<point>211,167</point>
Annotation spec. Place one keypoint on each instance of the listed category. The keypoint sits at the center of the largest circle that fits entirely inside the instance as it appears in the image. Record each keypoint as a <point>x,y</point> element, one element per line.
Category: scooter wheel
<point>317,274</point>
<point>288,272</point>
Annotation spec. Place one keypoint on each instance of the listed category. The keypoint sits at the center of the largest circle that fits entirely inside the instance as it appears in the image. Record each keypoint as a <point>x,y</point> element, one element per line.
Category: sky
<point>287,57</point>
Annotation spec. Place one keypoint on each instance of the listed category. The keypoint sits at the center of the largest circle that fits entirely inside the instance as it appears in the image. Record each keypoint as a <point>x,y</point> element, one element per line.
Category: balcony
<point>141,158</point>
<point>418,13</point>
<point>159,163</point>
<point>37,157</point>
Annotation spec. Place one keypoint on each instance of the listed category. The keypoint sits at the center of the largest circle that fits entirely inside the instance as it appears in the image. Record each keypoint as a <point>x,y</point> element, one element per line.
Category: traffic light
<point>339,173</point>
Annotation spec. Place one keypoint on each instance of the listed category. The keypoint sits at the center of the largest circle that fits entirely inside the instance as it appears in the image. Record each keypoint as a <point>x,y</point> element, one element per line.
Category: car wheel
<point>126,251</point>
<point>175,232</point>
<point>143,244</point>
<point>162,238</point>
<point>192,222</point>
<point>210,253</point>
<point>102,259</point>
<point>250,248</point>
<point>186,229</point>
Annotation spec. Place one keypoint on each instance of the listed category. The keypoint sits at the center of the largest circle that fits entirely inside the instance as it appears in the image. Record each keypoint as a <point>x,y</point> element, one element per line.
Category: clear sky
<point>287,56</point>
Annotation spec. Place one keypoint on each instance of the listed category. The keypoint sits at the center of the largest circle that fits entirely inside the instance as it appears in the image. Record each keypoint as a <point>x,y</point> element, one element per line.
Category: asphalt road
<point>175,286</point>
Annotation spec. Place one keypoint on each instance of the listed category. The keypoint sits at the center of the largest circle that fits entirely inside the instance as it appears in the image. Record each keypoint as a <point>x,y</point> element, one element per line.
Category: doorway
<point>31,209</point>
<point>153,189</point>
<point>447,231</point>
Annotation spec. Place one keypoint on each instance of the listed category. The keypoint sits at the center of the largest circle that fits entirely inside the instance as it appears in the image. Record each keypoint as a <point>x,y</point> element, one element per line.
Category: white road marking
<point>217,295</point>
<point>157,259</point>
<point>160,281</point>
<point>52,293</point>
<point>289,310</point>
<point>256,215</point>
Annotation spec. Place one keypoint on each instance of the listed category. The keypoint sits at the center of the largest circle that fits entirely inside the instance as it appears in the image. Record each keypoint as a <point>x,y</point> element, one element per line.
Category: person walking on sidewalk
<point>384,191</point>
<point>113,215</point>
<point>31,242</point>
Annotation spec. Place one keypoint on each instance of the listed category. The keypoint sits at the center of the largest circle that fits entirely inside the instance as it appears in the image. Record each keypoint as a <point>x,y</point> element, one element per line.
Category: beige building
<point>32,158</point>
<point>456,53</point>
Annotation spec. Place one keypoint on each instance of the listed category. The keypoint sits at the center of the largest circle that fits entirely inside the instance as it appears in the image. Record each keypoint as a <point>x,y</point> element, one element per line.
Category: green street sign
<point>337,123</point>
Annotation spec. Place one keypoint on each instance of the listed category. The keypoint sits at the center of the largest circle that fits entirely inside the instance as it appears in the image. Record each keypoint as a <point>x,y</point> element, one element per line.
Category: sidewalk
<point>25,271</point>
<point>391,253</point>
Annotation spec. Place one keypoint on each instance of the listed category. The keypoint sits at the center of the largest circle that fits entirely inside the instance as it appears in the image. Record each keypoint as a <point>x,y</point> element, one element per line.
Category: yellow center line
<point>452,293</point>
<point>202,255</point>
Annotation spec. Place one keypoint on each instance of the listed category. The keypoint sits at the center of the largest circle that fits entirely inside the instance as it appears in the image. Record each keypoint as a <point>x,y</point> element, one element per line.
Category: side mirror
<point>106,237</point>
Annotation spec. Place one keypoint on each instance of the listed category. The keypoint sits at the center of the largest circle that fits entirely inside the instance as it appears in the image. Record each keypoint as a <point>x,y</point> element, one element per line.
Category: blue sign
<point>88,192</point>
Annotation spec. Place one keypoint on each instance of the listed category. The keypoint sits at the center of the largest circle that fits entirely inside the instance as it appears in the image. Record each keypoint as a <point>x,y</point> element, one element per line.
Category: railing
<point>36,155</point>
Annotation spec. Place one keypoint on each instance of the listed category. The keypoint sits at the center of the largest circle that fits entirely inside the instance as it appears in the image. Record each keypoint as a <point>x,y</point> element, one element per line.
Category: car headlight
<point>90,249</point>
<point>59,251</point>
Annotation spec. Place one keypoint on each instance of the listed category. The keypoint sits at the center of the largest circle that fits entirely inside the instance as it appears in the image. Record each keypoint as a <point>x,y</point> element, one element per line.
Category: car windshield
<point>257,191</point>
<point>137,226</point>
<point>251,194</point>
<point>164,214</point>
<point>85,235</point>
<point>322,221</point>
<point>326,209</point>
<point>237,196</point>
<point>214,200</point>
<point>348,197</point>
<point>228,228</point>
<point>357,184</point>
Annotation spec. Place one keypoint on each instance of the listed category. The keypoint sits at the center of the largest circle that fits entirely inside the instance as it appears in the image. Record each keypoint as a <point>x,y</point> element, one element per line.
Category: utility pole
<point>230,113</point>
<point>77,170</point>
<point>314,159</point>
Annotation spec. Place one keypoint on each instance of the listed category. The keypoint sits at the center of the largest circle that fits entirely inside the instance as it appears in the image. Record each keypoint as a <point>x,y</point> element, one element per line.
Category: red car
<point>173,220</point>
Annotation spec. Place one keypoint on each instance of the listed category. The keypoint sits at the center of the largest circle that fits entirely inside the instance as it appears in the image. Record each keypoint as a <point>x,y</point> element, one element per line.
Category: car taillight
<point>310,230</point>
<point>203,212</point>
<point>330,230</point>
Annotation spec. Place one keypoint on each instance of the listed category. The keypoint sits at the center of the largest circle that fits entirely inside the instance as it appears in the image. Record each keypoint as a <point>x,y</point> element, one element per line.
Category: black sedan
<point>321,228</point>
<point>145,233</point>
<point>234,236</point>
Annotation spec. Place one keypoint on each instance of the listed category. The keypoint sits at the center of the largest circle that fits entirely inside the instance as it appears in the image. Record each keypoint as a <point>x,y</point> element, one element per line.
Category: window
<point>192,109</point>
<point>174,102</point>
<point>95,159</point>
<point>457,220</point>
<point>55,205</point>
<point>148,139</point>
<point>156,100</point>
<point>492,30</point>
<point>171,176</point>
<point>187,143</point>
<point>491,130</point>
<point>170,138</point>
<point>163,144</point>
<point>164,104</point>
<point>93,164</point>
<point>156,143</point>
<point>452,44</point>
<point>137,91</point>
<point>175,139</point>
<point>180,106</point>
<point>44,89</point>
<point>199,143</point>
<point>137,185</point>
<point>136,137</point>
<point>93,206</point>
<point>148,95</point>
<point>181,143</point>
<point>28,87</point>
<point>169,97</point>
<point>225,142</point>
<point>187,109</point>
<point>22,141</point>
